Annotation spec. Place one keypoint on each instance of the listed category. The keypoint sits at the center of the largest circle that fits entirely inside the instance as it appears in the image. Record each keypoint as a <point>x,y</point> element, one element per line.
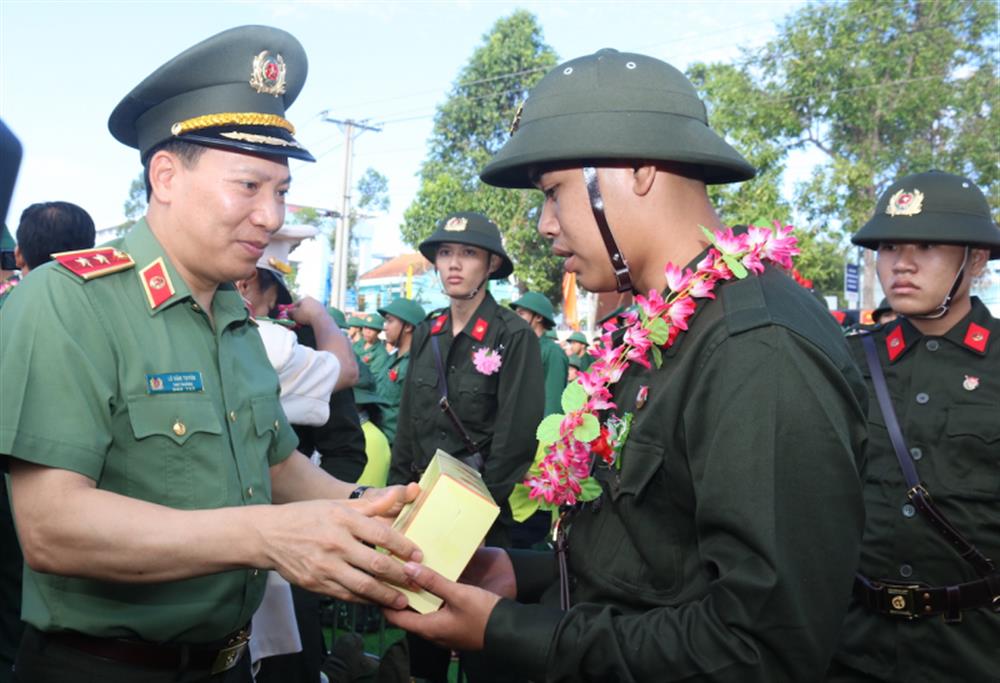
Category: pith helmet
<point>229,91</point>
<point>407,310</point>
<point>537,303</point>
<point>475,229</point>
<point>614,106</point>
<point>275,256</point>
<point>933,207</point>
<point>578,337</point>
<point>372,321</point>
<point>338,317</point>
<point>355,320</point>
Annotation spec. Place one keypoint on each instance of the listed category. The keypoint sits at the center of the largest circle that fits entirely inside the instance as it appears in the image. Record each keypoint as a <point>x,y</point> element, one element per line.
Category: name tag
<point>174,382</point>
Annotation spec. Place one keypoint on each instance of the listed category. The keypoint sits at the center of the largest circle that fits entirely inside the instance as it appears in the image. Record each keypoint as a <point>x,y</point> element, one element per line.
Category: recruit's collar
<point>972,333</point>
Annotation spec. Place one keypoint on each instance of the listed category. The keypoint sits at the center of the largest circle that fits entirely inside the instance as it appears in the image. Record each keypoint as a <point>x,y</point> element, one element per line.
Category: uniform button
<point>195,307</point>
<point>256,572</point>
<point>232,416</point>
<point>905,570</point>
<point>909,510</point>
<point>179,428</point>
<point>916,453</point>
<point>933,345</point>
<point>250,491</point>
<point>923,398</point>
<point>276,425</point>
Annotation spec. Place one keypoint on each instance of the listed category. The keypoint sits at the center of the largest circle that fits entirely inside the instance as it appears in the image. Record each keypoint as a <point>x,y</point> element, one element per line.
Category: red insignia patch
<point>156,282</point>
<point>976,337</point>
<point>367,359</point>
<point>479,329</point>
<point>894,343</point>
<point>439,323</point>
<point>839,316</point>
<point>393,375</point>
<point>91,263</point>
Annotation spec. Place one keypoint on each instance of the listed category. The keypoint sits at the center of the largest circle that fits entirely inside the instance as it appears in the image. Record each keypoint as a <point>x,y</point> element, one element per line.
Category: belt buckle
<point>902,600</point>
<point>230,655</point>
<point>996,603</point>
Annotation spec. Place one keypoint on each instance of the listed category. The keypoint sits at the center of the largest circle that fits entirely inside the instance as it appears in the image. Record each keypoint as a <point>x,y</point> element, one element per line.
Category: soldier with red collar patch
<point>927,592</point>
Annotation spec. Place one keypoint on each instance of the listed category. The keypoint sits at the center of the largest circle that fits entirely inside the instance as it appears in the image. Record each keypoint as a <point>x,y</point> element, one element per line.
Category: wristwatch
<point>358,492</point>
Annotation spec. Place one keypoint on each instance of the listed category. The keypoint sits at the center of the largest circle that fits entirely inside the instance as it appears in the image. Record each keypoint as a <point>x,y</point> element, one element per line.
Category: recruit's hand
<point>324,546</point>
<point>460,624</point>
<point>308,311</point>
<point>492,570</point>
<point>401,495</point>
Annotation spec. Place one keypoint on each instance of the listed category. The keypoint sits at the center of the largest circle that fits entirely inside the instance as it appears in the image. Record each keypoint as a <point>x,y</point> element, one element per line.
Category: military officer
<point>578,348</point>
<point>722,547</point>
<point>926,598</point>
<point>401,317</point>
<point>143,510</point>
<point>537,311</point>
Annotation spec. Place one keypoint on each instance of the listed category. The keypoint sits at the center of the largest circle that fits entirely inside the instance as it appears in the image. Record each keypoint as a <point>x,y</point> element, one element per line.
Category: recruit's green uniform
<point>555,367</point>
<point>952,427</point>
<point>96,354</point>
<point>500,411</point>
<point>375,356</point>
<point>678,573</point>
<point>393,379</point>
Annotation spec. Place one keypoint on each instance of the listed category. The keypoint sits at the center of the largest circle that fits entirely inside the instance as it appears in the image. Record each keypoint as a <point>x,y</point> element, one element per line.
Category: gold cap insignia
<point>268,74</point>
<point>516,123</point>
<point>905,203</point>
<point>456,224</point>
<point>279,265</point>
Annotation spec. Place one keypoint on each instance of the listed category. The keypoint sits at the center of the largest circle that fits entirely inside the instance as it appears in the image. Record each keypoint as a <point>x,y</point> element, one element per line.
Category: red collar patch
<point>91,263</point>
<point>439,323</point>
<point>976,337</point>
<point>839,316</point>
<point>479,329</point>
<point>894,343</point>
<point>156,283</point>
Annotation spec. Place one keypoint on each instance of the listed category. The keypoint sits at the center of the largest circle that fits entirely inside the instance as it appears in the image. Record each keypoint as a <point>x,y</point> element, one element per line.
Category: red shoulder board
<point>439,323</point>
<point>92,263</point>
<point>894,343</point>
<point>479,329</point>
<point>156,282</point>
<point>976,337</point>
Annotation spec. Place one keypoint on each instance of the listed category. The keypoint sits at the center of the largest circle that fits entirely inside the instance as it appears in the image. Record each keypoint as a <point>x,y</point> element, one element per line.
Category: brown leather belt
<point>216,657</point>
<point>914,600</point>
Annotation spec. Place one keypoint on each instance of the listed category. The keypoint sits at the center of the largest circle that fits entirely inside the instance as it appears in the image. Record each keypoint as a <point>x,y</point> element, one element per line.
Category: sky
<point>65,65</point>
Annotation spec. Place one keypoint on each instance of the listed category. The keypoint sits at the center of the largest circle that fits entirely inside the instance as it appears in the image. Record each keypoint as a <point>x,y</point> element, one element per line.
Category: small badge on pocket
<point>174,382</point>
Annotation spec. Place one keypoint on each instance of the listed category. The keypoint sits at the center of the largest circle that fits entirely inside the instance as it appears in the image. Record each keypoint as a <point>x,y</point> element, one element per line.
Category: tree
<point>135,204</point>
<point>880,89</point>
<point>373,191</point>
<point>472,125</point>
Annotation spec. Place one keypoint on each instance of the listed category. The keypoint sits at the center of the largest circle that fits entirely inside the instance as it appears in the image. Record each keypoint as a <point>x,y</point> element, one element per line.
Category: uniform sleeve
<point>307,376</point>
<point>556,367</point>
<point>773,431</point>
<point>520,401</point>
<point>58,376</point>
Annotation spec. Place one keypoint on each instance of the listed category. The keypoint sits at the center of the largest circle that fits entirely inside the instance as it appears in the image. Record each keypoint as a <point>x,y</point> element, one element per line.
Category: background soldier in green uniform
<point>578,348</point>
<point>925,605</point>
<point>723,546</point>
<point>401,317</point>
<point>143,510</point>
<point>537,311</point>
<point>372,350</point>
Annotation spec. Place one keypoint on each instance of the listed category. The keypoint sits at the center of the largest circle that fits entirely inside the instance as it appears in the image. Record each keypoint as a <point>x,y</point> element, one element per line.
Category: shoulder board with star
<point>89,264</point>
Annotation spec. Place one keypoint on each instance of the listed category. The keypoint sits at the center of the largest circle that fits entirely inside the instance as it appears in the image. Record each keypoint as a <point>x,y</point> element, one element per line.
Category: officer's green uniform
<point>555,364</point>
<point>585,359</point>
<point>946,394</point>
<point>394,375</point>
<point>724,546</point>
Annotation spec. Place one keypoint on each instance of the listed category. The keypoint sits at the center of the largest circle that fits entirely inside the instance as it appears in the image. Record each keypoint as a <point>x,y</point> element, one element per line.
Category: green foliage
<point>469,127</point>
<point>373,191</point>
<point>135,204</point>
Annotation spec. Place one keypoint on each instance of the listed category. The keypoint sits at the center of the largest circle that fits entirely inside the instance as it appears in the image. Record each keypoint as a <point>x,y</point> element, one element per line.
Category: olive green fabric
<point>376,357</point>
<point>215,77</point>
<point>536,302</point>
<point>80,399</point>
<point>407,310</point>
<point>7,242</point>
<point>474,229</point>
<point>953,434</point>
<point>724,547</point>
<point>934,207</point>
<point>555,367</point>
<point>613,106</point>
<point>391,388</point>
<point>500,411</point>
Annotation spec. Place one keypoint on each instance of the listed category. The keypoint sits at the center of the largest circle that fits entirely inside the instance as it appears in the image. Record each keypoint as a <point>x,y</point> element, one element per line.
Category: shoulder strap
<point>917,493</point>
<point>475,457</point>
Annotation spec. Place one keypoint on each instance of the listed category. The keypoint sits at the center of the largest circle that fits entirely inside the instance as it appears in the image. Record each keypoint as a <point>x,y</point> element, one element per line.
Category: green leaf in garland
<point>522,506</point>
<point>573,397</point>
<point>659,331</point>
<point>763,222</point>
<point>589,430</point>
<point>708,234</point>
<point>589,490</point>
<point>657,356</point>
<point>735,265</point>
<point>548,429</point>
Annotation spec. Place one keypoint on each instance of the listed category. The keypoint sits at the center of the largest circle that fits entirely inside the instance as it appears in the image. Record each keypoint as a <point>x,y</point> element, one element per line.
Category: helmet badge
<point>905,203</point>
<point>268,74</point>
<point>456,224</point>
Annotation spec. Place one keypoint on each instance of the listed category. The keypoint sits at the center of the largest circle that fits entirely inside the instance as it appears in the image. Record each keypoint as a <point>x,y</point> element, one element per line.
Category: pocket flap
<point>640,463</point>
<point>175,417</point>
<point>266,414</point>
<point>981,421</point>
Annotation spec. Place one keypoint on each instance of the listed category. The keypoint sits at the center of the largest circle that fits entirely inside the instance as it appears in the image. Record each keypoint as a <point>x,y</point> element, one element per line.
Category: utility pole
<point>338,294</point>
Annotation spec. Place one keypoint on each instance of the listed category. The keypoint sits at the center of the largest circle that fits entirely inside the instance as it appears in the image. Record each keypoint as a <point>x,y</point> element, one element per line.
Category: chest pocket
<point>971,463</point>
<point>179,456</point>
<point>266,417</point>
<point>477,398</point>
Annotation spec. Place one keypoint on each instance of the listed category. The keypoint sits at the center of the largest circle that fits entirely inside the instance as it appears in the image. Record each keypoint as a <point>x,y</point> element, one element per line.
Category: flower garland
<point>572,440</point>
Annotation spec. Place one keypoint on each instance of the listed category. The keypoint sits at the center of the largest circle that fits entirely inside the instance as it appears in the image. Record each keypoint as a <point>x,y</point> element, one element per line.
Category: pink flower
<point>679,312</point>
<point>487,361</point>
<point>730,243</point>
<point>676,279</point>
<point>652,305</point>
<point>702,288</point>
<point>782,246</point>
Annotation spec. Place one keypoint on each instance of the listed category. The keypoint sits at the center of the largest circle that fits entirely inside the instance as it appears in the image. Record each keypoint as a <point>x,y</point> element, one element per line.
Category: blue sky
<point>65,65</point>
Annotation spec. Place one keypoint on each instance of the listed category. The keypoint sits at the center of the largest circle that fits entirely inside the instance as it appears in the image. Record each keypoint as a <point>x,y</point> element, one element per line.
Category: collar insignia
<point>267,76</point>
<point>439,323</point>
<point>894,343</point>
<point>156,283</point>
<point>479,329</point>
<point>905,203</point>
<point>91,263</point>
<point>976,337</point>
<point>970,383</point>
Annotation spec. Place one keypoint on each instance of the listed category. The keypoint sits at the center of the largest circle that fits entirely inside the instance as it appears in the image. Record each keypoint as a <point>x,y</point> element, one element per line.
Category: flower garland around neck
<point>570,443</point>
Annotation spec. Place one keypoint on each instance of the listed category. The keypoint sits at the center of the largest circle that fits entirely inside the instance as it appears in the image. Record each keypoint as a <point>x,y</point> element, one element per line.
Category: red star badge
<point>894,343</point>
<point>479,329</point>
<point>976,337</point>
<point>393,375</point>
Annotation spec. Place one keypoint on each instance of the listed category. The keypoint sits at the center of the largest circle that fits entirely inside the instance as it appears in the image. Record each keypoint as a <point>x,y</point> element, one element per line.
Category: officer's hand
<point>307,311</point>
<point>326,547</point>
<point>460,624</point>
<point>492,570</point>
<point>400,495</point>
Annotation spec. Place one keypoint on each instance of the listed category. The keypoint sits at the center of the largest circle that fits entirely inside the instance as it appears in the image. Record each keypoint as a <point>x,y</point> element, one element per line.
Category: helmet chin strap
<point>475,290</point>
<point>618,263</point>
<point>942,309</point>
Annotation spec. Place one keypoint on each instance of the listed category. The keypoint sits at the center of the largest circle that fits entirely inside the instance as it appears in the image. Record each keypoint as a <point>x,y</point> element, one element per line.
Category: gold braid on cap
<point>230,119</point>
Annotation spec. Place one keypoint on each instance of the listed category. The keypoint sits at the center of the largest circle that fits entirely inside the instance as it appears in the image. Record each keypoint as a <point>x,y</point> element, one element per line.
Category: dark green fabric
<point>474,229</point>
<point>393,378</point>
<point>85,349</point>
<point>555,366</point>
<point>724,548</point>
<point>500,410</point>
<point>954,437</point>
